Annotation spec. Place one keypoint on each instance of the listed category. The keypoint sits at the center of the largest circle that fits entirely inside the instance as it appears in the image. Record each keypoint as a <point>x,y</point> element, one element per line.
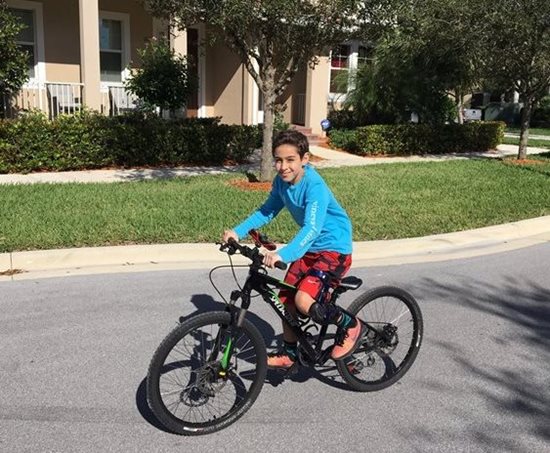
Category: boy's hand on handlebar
<point>229,234</point>
<point>270,259</point>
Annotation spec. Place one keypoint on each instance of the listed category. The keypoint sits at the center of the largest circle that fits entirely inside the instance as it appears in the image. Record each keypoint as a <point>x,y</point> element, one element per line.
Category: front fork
<point>226,338</point>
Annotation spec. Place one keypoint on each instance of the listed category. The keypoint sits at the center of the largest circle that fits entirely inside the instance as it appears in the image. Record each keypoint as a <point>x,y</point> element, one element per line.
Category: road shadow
<point>520,394</point>
<point>144,409</point>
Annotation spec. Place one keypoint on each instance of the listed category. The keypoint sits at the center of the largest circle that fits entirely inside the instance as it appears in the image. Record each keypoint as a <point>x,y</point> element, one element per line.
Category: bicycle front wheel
<point>188,388</point>
<point>390,346</point>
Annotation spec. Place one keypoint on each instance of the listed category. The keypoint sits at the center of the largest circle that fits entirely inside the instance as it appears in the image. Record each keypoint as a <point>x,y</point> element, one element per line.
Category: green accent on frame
<point>226,352</point>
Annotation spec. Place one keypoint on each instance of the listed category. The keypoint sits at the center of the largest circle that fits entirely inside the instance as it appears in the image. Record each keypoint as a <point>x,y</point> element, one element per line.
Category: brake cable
<point>232,267</point>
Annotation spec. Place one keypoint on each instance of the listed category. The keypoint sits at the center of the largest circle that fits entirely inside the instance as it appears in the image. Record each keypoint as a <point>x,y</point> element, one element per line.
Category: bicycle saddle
<point>350,282</point>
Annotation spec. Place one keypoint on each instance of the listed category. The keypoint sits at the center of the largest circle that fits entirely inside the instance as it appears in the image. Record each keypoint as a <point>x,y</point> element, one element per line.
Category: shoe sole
<point>352,350</point>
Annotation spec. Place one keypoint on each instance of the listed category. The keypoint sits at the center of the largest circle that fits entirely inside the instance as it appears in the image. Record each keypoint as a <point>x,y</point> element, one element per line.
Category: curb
<point>140,258</point>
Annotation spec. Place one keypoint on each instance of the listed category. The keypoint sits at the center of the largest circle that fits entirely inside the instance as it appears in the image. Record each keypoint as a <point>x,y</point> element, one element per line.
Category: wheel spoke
<point>190,384</point>
<point>391,344</point>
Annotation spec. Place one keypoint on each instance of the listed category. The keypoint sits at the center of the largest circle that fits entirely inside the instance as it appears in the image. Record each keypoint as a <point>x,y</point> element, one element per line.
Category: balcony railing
<point>64,98</point>
<point>31,97</point>
<point>120,101</point>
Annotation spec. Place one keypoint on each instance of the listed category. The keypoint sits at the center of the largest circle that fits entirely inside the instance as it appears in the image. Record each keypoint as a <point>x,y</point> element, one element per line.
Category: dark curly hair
<point>292,137</point>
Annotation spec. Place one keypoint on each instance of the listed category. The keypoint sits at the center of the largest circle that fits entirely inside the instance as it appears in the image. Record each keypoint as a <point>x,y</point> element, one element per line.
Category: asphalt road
<point>75,351</point>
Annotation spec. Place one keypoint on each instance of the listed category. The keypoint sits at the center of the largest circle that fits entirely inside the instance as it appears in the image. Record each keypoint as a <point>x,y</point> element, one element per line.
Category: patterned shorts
<point>333,263</point>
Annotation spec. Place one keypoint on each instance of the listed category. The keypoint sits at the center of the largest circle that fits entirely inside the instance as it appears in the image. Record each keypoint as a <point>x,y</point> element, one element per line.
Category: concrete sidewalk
<point>139,258</point>
<point>331,158</point>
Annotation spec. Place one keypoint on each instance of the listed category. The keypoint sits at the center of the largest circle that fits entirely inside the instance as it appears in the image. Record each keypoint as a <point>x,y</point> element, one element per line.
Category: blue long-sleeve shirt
<point>324,224</point>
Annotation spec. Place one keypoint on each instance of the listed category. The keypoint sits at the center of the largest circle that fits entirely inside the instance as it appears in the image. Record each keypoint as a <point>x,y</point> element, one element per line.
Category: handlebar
<point>232,246</point>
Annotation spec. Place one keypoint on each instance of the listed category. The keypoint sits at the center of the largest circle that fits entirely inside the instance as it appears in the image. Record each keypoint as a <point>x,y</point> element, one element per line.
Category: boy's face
<point>289,164</point>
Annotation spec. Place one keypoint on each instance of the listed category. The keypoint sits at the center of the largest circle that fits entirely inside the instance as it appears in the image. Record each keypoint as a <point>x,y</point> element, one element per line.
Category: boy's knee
<point>303,302</point>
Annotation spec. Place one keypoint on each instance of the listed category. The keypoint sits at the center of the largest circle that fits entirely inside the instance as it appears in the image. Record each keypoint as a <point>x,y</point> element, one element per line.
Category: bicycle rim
<point>381,361</point>
<point>186,390</point>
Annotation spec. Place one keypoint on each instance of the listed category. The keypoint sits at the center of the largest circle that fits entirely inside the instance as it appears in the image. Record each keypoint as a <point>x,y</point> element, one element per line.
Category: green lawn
<point>531,142</point>
<point>384,201</point>
<point>532,131</point>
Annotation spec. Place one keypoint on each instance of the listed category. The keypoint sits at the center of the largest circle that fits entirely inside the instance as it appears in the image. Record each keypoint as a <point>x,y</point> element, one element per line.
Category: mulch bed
<point>248,185</point>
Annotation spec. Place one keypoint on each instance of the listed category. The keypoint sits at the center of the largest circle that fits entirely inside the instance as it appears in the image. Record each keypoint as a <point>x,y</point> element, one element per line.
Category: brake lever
<point>227,248</point>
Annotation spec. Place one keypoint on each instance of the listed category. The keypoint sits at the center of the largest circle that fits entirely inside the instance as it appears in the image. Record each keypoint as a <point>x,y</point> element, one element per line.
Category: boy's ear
<point>305,159</point>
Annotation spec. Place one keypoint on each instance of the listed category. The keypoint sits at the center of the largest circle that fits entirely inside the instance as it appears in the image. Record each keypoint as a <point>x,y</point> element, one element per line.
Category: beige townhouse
<point>80,51</point>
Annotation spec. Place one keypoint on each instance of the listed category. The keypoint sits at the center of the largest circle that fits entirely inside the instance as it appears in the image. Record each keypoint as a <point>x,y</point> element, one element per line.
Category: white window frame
<point>124,18</point>
<point>353,60</point>
<point>40,64</point>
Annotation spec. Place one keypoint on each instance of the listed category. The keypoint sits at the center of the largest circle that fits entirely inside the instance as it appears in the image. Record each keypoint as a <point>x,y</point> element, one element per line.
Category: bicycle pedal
<point>292,370</point>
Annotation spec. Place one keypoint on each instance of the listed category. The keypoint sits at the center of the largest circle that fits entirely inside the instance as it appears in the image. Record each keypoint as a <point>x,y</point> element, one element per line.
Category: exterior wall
<point>226,82</point>
<point>293,98</point>
<point>141,23</point>
<point>61,41</point>
<point>317,94</point>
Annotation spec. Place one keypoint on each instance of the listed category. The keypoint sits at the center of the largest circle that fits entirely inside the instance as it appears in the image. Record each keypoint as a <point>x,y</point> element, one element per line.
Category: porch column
<point>317,87</point>
<point>178,41</point>
<point>250,93</point>
<point>89,53</point>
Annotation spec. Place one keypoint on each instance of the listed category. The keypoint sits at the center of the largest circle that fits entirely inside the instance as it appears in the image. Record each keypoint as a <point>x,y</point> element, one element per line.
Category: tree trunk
<point>266,165</point>
<point>524,133</point>
<point>459,102</point>
<point>460,110</point>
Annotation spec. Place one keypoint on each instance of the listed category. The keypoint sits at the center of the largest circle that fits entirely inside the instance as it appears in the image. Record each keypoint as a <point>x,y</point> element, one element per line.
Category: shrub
<point>541,114</point>
<point>429,139</point>
<point>164,79</point>
<point>13,59</point>
<point>90,140</point>
<point>343,119</point>
<point>344,139</point>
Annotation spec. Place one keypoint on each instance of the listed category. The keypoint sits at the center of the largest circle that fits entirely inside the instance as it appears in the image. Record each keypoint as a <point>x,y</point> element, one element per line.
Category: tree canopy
<point>13,60</point>
<point>516,44</point>
<point>273,38</point>
<point>163,80</point>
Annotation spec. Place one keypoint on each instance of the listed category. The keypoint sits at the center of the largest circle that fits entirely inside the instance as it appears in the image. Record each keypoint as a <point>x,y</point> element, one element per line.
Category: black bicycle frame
<point>259,282</point>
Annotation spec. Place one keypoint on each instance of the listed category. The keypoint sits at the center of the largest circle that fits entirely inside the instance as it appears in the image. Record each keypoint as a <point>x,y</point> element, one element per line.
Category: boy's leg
<point>287,356</point>
<point>350,330</point>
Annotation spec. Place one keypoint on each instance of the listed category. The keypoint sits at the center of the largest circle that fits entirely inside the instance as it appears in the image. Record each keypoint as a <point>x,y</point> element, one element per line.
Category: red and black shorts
<point>333,263</point>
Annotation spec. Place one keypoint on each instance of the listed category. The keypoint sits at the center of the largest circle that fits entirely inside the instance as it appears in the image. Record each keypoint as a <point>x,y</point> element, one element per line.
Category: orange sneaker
<point>348,341</point>
<point>280,360</point>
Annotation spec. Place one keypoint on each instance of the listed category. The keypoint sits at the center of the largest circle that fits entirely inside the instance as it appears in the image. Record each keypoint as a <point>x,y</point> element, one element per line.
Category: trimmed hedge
<point>344,139</point>
<point>89,140</point>
<point>406,139</point>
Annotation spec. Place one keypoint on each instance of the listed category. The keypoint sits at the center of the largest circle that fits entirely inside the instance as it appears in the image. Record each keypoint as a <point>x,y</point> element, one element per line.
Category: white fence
<point>63,98</point>
<point>120,101</point>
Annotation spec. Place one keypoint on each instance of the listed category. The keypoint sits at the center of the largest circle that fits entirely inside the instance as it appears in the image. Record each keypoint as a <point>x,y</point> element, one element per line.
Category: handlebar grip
<point>280,265</point>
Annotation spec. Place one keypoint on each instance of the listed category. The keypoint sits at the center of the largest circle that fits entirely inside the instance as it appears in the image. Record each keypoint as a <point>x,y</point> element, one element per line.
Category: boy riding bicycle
<point>322,247</point>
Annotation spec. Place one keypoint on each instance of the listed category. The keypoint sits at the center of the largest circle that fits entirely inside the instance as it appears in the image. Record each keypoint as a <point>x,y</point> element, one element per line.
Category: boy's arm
<point>317,199</point>
<point>263,215</point>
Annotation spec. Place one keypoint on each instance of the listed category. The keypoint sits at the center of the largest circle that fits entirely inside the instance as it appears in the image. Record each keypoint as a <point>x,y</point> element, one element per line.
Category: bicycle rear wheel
<point>386,353</point>
<point>187,388</point>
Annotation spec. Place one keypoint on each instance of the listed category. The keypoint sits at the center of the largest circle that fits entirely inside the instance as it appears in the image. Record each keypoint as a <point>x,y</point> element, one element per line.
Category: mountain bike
<point>210,369</point>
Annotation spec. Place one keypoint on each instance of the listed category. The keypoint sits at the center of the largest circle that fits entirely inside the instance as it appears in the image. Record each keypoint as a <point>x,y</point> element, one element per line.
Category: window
<point>26,38</point>
<point>344,61</point>
<point>339,69</point>
<point>111,50</point>
<point>364,55</point>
